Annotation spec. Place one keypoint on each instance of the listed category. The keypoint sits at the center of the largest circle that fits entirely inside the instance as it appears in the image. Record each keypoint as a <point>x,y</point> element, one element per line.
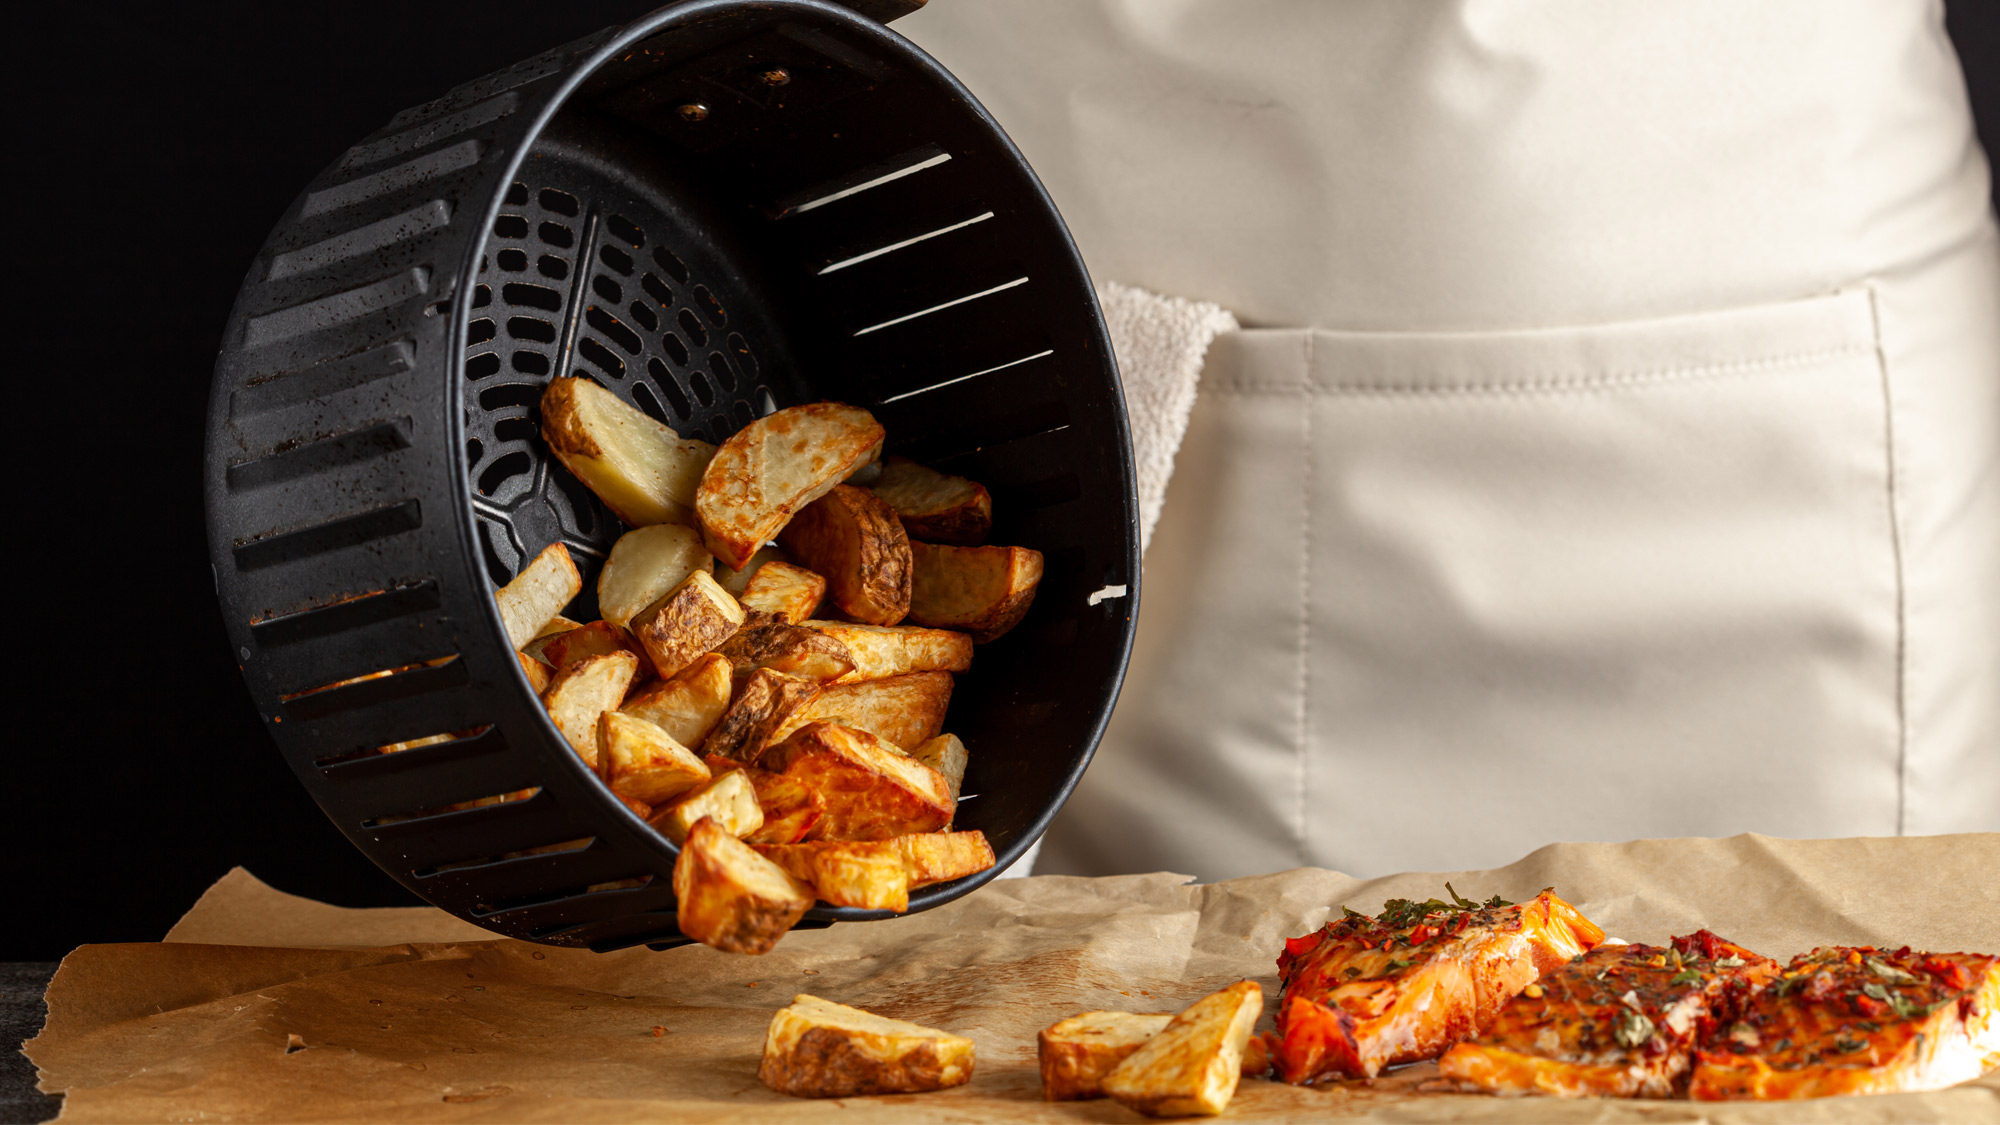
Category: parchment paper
<point>263,1006</point>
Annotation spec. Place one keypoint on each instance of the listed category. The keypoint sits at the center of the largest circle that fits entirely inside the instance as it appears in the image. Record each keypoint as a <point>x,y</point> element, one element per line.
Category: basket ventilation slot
<point>334,534</point>
<point>351,613</point>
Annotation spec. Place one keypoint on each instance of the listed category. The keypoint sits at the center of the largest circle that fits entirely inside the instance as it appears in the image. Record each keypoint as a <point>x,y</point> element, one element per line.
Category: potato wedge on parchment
<point>866,873</point>
<point>872,791</point>
<point>640,761</point>
<point>881,651</point>
<point>763,705</point>
<point>643,565</point>
<point>730,897</point>
<point>1076,1053</point>
<point>940,857</point>
<point>691,619</point>
<point>536,595</point>
<point>728,799</point>
<point>935,507</point>
<point>766,641</point>
<point>904,711</point>
<point>688,706</point>
<point>818,1049</point>
<point>585,690</point>
<point>1193,1064</point>
<point>776,465</point>
<point>642,470</point>
<point>853,540</point>
<point>786,590</point>
<point>984,591</point>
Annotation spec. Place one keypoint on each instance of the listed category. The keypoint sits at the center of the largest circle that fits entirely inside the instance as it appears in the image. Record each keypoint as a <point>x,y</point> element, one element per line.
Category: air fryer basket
<point>723,208</point>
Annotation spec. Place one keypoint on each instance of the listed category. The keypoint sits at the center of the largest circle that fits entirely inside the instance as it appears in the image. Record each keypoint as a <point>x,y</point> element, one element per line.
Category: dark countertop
<point>21,1013</point>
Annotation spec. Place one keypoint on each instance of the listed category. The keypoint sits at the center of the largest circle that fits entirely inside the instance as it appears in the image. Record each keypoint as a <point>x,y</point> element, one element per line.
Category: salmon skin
<point>1621,1021</point>
<point>1858,1020</point>
<point>1363,993</point>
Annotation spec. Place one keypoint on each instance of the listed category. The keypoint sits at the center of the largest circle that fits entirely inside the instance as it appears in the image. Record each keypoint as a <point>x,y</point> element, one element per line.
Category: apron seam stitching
<point>1892,467</point>
<point>1305,390</point>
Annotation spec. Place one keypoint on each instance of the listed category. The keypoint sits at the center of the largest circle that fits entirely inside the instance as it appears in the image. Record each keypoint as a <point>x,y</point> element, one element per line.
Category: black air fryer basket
<point>724,208</point>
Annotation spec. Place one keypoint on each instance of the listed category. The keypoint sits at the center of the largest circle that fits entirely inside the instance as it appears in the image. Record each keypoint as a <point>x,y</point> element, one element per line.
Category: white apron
<point>1615,448</point>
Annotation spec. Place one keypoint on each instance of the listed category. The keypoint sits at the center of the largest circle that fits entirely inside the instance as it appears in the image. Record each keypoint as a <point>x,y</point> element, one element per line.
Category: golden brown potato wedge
<point>583,691</point>
<point>872,791</point>
<point>776,465</point>
<point>1193,1064</point>
<point>792,810</point>
<point>947,755</point>
<point>984,591</point>
<point>935,507</point>
<point>644,565</point>
<point>1078,1052</point>
<point>881,651</point>
<point>691,619</point>
<point>538,673</point>
<point>818,1049</point>
<point>537,594</point>
<point>731,898</point>
<point>639,760</point>
<point>688,706</point>
<point>868,874</point>
<point>594,639</point>
<point>642,470</point>
<point>728,799</point>
<point>853,540</point>
<point>903,710</point>
<point>764,641</point>
<point>763,704</point>
<point>940,857</point>
<point>736,581</point>
<point>639,808</point>
<point>789,591</point>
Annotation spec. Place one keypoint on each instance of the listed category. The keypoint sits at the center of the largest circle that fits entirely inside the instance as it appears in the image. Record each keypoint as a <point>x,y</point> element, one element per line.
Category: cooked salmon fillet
<point>1621,1021</point>
<point>1858,1020</point>
<point>1367,992</point>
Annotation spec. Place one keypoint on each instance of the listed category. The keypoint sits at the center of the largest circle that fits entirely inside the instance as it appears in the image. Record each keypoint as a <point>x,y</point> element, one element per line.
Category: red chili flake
<point>1422,934</point>
<point>1868,1006</point>
<point>1951,973</point>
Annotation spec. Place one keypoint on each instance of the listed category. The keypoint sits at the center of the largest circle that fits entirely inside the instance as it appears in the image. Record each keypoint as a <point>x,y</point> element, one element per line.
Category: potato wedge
<point>984,591</point>
<point>727,799</point>
<point>871,790</point>
<point>730,897</point>
<point>947,755</point>
<point>594,639</point>
<point>538,673</point>
<point>940,857</point>
<point>764,641</point>
<point>688,706</point>
<point>585,690</point>
<point>1077,1053</point>
<point>776,465</point>
<point>736,580</point>
<point>639,808</point>
<point>639,760</point>
<point>818,1049</point>
<point>644,565</point>
<point>763,704</point>
<point>538,594</point>
<point>792,810</point>
<point>902,710</point>
<point>935,507</point>
<point>689,620</point>
<point>867,874</point>
<point>1193,1064</point>
<point>786,590</point>
<point>881,651</point>
<point>853,540</point>
<point>642,470</point>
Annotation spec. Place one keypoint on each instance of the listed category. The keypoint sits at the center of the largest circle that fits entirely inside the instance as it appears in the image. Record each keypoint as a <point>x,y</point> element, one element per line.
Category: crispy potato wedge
<point>585,690</point>
<point>762,706</point>
<point>853,540</point>
<point>642,470</point>
<point>792,810</point>
<point>689,620</point>
<point>765,641</point>
<point>935,507</point>
<point>776,465</point>
<point>728,799</point>
<point>730,897</point>
<point>868,874</point>
<point>818,1049</point>
<point>644,565</point>
<point>1193,1064</point>
<point>537,594</point>
<point>940,857</point>
<point>639,808</point>
<point>881,651</point>
<point>947,755</point>
<point>538,673</point>
<point>594,639</point>
<point>902,710</point>
<point>1078,1052</point>
<point>640,761</point>
<point>736,581</point>
<point>872,791</point>
<point>786,590</point>
<point>688,706</point>
<point>984,591</point>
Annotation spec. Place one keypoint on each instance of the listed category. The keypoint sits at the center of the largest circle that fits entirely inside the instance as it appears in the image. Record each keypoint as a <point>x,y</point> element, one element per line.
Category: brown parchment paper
<point>264,1006</point>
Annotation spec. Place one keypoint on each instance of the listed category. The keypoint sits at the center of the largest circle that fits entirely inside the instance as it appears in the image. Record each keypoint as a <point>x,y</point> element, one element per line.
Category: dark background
<point>151,152</point>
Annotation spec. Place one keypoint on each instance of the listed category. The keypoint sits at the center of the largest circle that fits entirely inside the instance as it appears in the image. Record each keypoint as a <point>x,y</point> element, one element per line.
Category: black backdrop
<point>151,152</point>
